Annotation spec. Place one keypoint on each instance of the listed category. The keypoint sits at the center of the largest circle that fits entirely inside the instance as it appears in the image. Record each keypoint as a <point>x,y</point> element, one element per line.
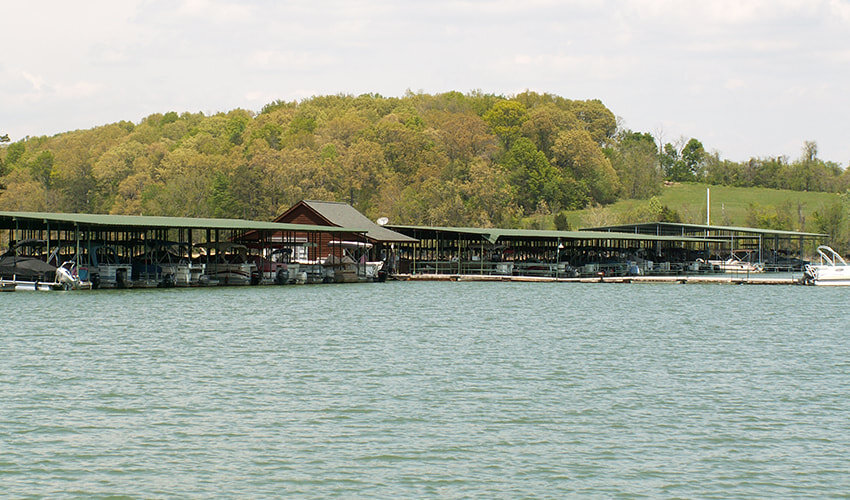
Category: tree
<point>578,157</point>
<point>598,120</point>
<point>693,154</point>
<point>530,173</point>
<point>3,138</point>
<point>832,219</point>
<point>685,164</point>
<point>505,119</point>
<point>41,168</point>
<point>635,159</point>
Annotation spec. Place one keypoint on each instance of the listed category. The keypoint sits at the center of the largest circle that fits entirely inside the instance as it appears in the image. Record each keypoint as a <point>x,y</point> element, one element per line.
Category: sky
<point>748,78</point>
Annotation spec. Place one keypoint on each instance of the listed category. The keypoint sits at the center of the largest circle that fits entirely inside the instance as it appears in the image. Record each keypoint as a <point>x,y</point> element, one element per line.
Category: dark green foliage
<point>561,222</point>
<point>834,220</point>
<point>778,217</point>
<point>651,211</point>
<point>685,165</point>
<point>169,117</point>
<point>14,152</point>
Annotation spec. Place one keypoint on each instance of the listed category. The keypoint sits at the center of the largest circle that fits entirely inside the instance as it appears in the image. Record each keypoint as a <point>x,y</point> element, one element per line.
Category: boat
<point>72,276</point>
<point>227,264</point>
<point>832,270</point>
<point>353,266</point>
<point>738,262</point>
<point>23,267</point>
<point>175,265</point>
<point>106,268</point>
<point>26,273</point>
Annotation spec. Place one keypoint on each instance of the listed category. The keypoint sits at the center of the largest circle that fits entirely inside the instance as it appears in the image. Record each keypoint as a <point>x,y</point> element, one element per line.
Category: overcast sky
<point>747,78</point>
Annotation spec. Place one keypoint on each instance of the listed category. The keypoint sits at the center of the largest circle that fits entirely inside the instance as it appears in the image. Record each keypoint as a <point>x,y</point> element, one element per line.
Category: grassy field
<point>729,205</point>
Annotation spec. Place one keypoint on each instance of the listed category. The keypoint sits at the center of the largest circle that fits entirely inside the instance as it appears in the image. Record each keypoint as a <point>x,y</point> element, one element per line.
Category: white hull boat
<point>114,275</point>
<point>833,270</point>
<point>183,274</point>
<point>738,262</point>
<point>231,274</point>
<point>736,266</point>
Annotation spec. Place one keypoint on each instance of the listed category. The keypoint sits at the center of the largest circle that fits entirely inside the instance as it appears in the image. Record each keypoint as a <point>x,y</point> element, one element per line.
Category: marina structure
<point>319,241</point>
<point>528,252</point>
<point>356,256</point>
<point>92,250</point>
<point>773,249</point>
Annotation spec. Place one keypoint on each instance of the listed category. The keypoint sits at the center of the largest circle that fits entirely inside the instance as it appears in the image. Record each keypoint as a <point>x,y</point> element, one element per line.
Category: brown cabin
<point>338,214</point>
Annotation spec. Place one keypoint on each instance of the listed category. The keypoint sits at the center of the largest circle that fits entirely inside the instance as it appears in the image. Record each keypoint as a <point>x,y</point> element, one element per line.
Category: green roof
<point>494,234</point>
<point>60,221</point>
<point>680,227</point>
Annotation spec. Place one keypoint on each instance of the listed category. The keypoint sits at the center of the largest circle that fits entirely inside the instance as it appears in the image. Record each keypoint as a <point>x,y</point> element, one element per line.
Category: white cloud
<point>216,10</point>
<point>287,60</point>
<point>593,67</point>
<point>713,70</point>
<point>39,89</point>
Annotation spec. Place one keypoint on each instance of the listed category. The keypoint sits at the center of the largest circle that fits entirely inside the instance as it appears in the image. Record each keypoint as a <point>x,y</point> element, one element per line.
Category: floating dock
<point>688,280</point>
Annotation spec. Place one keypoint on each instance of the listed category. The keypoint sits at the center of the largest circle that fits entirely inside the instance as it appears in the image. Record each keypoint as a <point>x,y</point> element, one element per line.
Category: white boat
<point>73,277</point>
<point>354,266</point>
<point>736,264</point>
<point>227,264</point>
<point>106,268</point>
<point>175,264</point>
<point>832,269</point>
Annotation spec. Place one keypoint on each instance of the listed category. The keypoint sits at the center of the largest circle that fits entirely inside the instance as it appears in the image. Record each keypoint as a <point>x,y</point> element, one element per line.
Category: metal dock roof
<point>669,228</point>
<point>63,221</point>
<point>494,234</point>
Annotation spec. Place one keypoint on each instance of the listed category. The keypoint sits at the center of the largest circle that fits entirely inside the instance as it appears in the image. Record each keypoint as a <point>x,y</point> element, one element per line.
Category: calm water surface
<point>497,390</point>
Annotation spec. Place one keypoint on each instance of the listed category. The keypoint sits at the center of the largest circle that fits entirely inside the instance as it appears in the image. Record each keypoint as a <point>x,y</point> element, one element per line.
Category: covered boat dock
<point>146,242</point>
<point>776,250</point>
<point>527,252</point>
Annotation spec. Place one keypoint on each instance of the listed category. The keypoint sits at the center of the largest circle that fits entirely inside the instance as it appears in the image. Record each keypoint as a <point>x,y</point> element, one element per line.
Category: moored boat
<point>227,263</point>
<point>738,262</point>
<point>831,271</point>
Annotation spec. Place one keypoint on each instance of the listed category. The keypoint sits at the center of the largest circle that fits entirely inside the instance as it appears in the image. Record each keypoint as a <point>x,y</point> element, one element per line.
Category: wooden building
<point>380,240</point>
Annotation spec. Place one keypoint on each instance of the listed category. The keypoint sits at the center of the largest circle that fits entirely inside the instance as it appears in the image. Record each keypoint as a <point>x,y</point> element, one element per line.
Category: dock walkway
<point>705,280</point>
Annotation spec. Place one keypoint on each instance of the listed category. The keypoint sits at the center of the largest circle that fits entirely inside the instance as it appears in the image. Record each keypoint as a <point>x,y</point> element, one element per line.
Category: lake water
<point>495,390</point>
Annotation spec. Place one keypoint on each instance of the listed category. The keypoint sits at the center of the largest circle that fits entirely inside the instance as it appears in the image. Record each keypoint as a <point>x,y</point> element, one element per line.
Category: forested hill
<point>448,159</point>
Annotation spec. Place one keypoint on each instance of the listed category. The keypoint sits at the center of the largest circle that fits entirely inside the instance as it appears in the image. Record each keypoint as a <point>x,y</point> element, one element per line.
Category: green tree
<point>506,119</point>
<point>832,219</point>
<point>15,152</point>
<point>41,168</point>
<point>577,156</point>
<point>221,199</point>
<point>598,120</point>
<point>685,164</point>
<point>652,211</point>
<point>530,173</point>
<point>693,155</point>
<point>635,159</point>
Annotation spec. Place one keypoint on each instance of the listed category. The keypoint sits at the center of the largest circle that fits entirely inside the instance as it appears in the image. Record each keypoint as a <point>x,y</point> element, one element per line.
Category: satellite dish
<point>383,221</point>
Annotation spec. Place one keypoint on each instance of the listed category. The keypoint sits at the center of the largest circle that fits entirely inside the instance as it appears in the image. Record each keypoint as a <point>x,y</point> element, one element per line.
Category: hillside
<point>529,160</point>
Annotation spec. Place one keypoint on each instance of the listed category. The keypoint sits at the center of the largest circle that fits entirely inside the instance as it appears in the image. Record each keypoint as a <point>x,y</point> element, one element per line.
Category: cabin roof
<point>344,215</point>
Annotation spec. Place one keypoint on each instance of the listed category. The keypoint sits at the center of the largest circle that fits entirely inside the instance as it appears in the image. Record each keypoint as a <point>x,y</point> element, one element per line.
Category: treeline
<point>807,173</point>
<point>448,159</point>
